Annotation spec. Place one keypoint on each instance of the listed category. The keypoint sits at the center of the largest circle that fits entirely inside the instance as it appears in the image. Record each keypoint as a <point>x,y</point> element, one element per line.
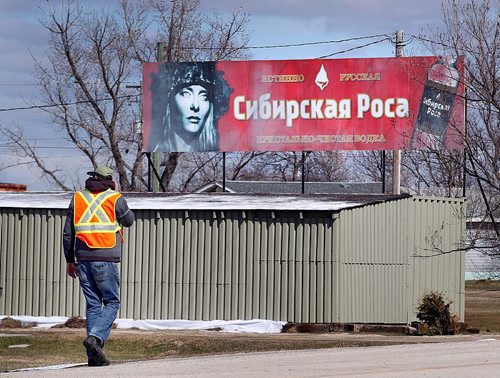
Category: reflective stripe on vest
<point>94,218</point>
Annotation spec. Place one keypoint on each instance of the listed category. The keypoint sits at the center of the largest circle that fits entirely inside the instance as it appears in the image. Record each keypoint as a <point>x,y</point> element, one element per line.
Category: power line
<point>404,42</point>
<point>63,104</point>
<point>354,48</point>
<point>429,40</point>
<point>35,139</point>
<point>423,39</point>
<point>316,43</point>
<point>42,147</point>
<point>15,84</point>
<point>292,44</point>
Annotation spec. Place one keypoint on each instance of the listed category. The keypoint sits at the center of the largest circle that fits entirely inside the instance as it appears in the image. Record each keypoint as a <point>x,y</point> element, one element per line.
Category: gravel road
<point>478,358</point>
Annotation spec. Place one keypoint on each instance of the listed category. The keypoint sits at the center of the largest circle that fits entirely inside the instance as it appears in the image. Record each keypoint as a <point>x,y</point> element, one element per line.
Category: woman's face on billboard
<point>193,107</point>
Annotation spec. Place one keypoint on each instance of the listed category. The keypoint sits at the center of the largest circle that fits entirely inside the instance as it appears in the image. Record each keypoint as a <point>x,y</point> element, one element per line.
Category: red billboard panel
<point>304,105</point>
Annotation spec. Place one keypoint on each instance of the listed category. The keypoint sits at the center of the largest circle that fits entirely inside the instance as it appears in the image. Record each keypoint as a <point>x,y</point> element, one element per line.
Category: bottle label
<point>435,108</point>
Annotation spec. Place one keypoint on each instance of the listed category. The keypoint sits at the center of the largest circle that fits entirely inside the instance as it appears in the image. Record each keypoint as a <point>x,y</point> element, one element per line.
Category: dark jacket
<point>75,249</point>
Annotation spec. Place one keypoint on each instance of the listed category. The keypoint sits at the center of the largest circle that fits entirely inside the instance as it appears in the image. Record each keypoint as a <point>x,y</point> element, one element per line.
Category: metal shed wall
<point>33,278</point>
<point>355,265</point>
<point>229,265</point>
<point>373,258</point>
<point>436,228</point>
<point>391,253</point>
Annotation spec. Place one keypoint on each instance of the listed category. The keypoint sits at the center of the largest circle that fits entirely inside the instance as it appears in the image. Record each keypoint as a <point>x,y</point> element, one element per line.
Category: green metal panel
<point>382,276</point>
<point>229,265</point>
<point>32,268</point>
<point>437,264</point>
<point>373,264</point>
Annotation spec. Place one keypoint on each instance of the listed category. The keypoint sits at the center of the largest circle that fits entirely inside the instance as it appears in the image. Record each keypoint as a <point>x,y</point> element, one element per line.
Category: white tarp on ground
<point>244,326</point>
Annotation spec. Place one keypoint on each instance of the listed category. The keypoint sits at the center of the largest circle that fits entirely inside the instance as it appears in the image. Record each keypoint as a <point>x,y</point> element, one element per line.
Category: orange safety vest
<point>95,219</point>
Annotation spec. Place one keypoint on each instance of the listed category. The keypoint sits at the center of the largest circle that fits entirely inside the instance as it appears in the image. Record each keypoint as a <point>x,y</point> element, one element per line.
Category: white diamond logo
<point>322,78</point>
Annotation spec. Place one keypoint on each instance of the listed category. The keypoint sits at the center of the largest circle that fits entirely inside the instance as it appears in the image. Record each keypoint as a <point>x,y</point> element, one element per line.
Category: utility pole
<point>396,168</point>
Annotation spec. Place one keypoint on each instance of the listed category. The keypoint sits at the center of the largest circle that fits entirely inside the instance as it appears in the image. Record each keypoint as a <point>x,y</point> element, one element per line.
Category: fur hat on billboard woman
<point>187,101</point>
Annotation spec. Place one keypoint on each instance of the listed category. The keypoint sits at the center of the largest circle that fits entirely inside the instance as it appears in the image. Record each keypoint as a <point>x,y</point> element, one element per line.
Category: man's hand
<point>71,270</point>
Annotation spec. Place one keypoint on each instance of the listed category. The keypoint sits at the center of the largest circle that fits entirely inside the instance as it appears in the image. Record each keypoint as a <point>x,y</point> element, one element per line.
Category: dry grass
<point>482,305</point>
<point>64,345</point>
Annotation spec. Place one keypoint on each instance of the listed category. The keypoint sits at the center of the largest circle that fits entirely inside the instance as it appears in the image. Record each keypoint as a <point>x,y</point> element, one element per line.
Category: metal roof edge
<point>443,199</point>
<point>220,200</point>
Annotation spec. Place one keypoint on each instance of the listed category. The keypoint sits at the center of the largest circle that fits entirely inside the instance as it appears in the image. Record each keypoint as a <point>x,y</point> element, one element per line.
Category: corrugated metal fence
<point>32,268</point>
<point>229,265</point>
<point>364,264</point>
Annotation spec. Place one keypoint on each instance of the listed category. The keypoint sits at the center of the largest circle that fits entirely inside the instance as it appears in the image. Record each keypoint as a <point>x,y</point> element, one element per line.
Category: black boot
<point>93,345</point>
<point>94,362</point>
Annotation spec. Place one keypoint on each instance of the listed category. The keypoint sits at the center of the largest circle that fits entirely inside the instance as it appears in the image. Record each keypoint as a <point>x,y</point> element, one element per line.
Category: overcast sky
<point>271,23</point>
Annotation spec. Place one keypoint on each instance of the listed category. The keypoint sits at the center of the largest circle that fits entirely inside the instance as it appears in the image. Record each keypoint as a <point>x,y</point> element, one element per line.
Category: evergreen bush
<point>434,311</point>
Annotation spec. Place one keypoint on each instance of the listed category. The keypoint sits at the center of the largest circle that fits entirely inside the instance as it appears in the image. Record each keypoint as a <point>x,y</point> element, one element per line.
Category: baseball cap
<point>101,172</point>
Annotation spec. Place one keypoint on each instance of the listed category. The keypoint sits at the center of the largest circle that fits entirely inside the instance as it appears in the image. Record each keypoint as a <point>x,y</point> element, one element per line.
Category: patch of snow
<point>244,326</point>
<point>51,367</point>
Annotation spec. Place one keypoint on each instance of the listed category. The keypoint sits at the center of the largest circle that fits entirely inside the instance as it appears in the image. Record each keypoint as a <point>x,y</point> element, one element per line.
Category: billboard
<point>304,105</point>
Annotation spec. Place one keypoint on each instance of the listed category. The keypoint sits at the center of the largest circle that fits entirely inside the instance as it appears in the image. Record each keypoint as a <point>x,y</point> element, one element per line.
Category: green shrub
<point>434,311</point>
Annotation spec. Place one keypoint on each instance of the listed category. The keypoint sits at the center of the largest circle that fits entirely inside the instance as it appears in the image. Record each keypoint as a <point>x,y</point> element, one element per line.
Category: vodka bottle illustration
<point>436,104</point>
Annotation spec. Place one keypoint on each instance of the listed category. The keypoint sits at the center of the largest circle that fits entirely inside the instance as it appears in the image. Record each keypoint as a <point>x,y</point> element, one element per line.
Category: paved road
<point>479,358</point>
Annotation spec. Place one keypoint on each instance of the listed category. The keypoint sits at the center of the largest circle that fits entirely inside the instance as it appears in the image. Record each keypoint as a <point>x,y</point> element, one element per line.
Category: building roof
<point>6,187</point>
<point>205,201</point>
<point>293,187</point>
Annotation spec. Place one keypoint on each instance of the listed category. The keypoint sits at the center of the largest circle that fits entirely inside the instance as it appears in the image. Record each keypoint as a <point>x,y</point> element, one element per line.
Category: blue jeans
<point>100,283</point>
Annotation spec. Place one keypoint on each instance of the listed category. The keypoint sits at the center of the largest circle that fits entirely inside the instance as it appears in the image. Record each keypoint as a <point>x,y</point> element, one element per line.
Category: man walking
<point>92,241</point>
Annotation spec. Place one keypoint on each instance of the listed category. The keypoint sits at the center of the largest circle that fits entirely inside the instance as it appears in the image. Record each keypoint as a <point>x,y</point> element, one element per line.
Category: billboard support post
<point>464,163</point>
<point>396,167</point>
<point>152,169</point>
<point>155,156</point>
<point>303,171</point>
<point>224,172</point>
<point>383,171</point>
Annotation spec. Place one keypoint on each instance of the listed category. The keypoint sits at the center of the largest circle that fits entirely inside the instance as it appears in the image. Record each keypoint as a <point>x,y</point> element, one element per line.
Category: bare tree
<point>201,169</point>
<point>374,166</point>
<point>436,171</point>
<point>327,166</point>
<point>190,35</point>
<point>288,166</point>
<point>472,29</point>
<point>93,53</point>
